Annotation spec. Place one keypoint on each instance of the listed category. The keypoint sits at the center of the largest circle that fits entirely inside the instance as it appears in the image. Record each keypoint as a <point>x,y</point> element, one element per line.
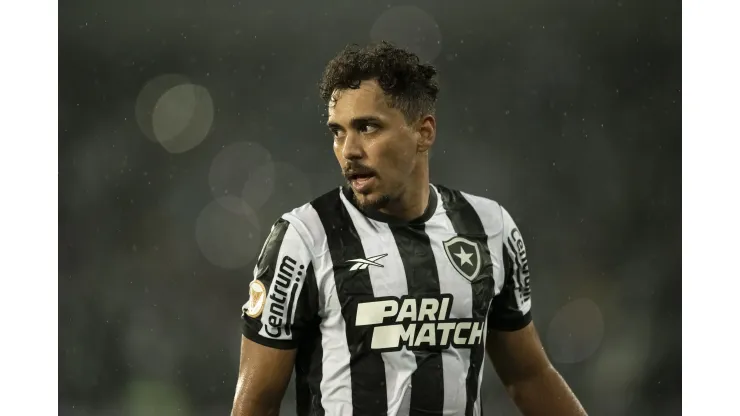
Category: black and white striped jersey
<point>388,317</point>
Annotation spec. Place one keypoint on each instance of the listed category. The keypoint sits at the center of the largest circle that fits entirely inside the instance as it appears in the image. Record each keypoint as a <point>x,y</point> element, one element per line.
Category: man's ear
<point>427,132</point>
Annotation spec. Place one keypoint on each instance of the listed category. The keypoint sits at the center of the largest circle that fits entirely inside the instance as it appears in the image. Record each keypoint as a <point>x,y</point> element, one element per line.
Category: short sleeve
<point>510,310</point>
<point>282,297</point>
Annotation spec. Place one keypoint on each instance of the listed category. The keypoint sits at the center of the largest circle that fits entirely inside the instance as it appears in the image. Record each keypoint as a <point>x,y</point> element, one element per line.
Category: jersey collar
<point>382,217</point>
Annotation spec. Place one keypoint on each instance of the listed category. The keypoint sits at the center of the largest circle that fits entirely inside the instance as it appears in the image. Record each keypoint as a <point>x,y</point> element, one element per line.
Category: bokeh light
<point>148,97</point>
<point>575,332</point>
<point>182,117</point>
<point>621,373</point>
<point>154,398</point>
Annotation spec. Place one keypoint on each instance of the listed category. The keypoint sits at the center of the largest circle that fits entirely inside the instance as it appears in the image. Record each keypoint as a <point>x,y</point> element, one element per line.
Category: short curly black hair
<point>410,86</point>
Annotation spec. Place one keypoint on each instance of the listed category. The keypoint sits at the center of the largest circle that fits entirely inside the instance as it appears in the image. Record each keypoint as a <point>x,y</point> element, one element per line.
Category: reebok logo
<point>363,264</point>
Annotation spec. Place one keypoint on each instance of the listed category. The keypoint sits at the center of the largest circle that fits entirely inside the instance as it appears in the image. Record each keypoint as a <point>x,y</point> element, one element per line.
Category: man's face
<point>373,143</point>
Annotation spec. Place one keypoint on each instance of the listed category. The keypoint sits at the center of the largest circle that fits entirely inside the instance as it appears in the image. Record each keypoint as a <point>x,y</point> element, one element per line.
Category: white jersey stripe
<point>490,215</point>
<point>286,285</point>
<point>455,361</point>
<point>336,383</point>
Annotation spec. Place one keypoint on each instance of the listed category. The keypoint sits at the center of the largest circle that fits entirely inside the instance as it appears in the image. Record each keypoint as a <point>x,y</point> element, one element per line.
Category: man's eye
<point>368,129</point>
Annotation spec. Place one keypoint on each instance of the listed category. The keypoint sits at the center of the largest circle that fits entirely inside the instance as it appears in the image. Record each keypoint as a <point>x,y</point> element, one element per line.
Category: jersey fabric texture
<point>389,317</point>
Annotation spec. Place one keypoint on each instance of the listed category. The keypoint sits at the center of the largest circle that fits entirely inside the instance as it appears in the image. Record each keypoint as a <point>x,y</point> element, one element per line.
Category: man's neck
<point>411,205</point>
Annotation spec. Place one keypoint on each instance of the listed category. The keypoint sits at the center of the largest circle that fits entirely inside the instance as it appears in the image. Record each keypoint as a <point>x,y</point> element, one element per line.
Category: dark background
<point>567,112</point>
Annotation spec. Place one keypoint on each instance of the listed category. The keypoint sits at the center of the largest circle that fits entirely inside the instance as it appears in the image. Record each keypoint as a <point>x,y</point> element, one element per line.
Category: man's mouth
<point>361,181</point>
<point>359,176</point>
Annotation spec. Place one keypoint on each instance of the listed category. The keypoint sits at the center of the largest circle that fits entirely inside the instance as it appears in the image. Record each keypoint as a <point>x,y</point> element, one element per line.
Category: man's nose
<point>352,149</point>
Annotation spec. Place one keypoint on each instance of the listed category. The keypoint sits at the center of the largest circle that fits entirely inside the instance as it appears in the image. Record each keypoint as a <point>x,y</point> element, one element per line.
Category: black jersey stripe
<point>466,222</point>
<point>422,278</point>
<point>308,367</point>
<point>266,266</point>
<point>367,370</point>
<point>271,251</point>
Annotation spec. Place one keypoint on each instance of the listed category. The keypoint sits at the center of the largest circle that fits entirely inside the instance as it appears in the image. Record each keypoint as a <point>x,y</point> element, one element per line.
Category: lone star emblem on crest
<point>464,257</point>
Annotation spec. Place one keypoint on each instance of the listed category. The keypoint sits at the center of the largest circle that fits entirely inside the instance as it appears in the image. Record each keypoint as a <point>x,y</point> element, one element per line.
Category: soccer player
<point>385,294</point>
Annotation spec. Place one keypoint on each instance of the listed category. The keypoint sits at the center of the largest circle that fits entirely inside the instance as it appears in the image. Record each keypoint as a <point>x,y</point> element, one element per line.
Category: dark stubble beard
<point>371,205</point>
<point>353,167</point>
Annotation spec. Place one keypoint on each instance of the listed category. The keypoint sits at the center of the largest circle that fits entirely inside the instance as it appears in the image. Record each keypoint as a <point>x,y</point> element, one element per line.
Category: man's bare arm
<point>264,374</point>
<point>529,377</point>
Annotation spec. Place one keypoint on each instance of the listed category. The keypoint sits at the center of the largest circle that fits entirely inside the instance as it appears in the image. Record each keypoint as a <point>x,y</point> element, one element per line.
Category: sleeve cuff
<point>514,324</point>
<point>280,344</point>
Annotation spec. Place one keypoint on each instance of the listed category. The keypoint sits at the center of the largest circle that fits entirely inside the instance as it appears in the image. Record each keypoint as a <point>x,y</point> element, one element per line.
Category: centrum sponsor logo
<point>282,296</point>
<point>521,265</point>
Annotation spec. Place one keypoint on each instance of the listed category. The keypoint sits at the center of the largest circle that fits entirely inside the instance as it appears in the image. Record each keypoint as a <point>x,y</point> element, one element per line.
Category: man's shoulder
<point>306,218</point>
<point>308,212</point>
<point>485,211</point>
<point>456,199</point>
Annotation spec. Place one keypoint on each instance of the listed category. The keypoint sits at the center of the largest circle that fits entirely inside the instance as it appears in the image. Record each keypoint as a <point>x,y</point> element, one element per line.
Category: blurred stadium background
<point>186,128</point>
